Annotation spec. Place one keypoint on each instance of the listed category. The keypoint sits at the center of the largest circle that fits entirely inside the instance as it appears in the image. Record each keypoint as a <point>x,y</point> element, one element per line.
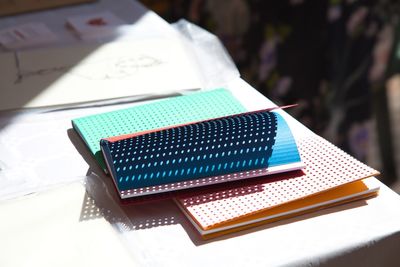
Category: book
<point>331,177</point>
<point>94,26</point>
<point>162,113</point>
<point>203,153</point>
<point>347,193</point>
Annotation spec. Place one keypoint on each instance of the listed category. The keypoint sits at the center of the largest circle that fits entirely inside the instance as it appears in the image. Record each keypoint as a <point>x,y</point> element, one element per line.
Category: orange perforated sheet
<point>326,167</point>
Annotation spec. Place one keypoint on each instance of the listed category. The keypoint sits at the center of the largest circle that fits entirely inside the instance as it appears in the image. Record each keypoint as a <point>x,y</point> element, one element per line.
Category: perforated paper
<point>327,167</point>
<point>248,142</point>
<point>172,111</point>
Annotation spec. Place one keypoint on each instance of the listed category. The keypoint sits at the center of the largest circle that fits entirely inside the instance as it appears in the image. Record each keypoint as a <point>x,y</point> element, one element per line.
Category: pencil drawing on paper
<point>102,69</point>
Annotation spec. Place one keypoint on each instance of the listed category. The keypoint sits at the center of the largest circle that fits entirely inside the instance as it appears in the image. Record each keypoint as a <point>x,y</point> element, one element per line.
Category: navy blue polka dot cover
<point>201,153</point>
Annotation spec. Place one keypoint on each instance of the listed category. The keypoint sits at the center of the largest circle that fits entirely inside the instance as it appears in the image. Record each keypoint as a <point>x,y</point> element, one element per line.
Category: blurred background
<point>338,59</point>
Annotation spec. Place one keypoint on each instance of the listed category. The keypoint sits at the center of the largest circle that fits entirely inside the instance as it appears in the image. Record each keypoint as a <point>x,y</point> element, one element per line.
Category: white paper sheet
<point>86,72</point>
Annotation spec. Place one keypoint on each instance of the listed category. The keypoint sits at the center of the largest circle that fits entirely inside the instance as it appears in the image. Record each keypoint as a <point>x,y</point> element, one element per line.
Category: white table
<point>82,224</point>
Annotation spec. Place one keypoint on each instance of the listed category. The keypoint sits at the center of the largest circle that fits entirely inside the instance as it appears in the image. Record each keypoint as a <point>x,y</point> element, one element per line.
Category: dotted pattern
<point>209,180</point>
<point>278,162</point>
<point>163,113</point>
<point>90,211</point>
<point>211,148</point>
<point>326,167</point>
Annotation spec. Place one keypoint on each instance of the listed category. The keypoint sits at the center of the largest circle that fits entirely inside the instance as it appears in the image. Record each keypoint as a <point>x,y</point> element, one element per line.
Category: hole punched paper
<point>202,153</point>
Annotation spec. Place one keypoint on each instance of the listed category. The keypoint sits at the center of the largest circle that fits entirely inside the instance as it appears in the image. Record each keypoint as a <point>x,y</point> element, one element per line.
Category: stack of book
<point>226,168</point>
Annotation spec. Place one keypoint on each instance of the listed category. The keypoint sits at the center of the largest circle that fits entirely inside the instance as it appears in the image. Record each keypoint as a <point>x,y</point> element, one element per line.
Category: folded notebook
<point>207,152</point>
<point>344,194</point>
<point>171,111</point>
<point>331,177</point>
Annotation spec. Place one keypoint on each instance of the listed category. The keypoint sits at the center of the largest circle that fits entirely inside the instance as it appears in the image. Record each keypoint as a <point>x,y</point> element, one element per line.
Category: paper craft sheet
<point>90,72</point>
<point>213,151</point>
<point>175,110</point>
<point>327,167</point>
<point>337,196</point>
